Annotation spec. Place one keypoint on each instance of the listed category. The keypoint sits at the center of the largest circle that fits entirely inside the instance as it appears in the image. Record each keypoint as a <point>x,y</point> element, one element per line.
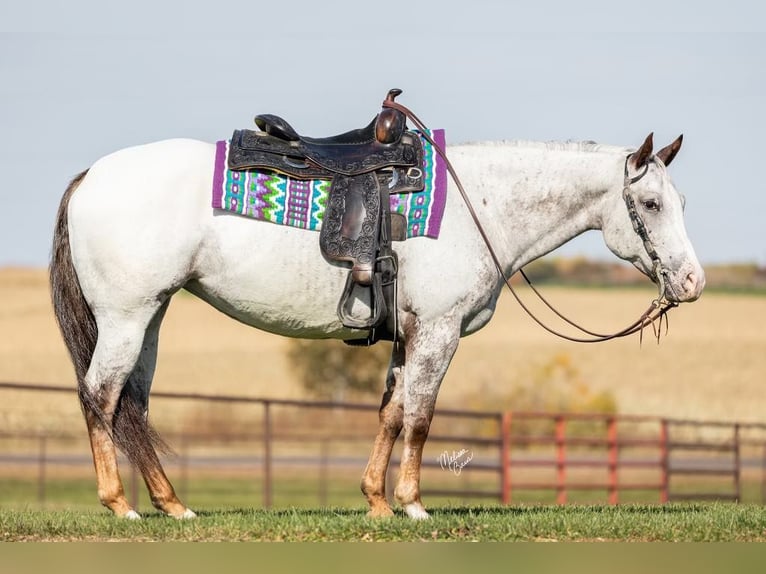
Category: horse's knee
<point>416,428</point>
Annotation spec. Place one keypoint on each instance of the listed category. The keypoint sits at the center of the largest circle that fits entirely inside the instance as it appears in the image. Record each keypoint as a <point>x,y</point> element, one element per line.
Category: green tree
<point>554,385</point>
<point>558,386</point>
<point>331,370</point>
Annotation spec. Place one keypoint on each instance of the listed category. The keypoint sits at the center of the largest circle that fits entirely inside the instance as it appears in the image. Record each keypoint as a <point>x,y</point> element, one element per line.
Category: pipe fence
<point>499,456</point>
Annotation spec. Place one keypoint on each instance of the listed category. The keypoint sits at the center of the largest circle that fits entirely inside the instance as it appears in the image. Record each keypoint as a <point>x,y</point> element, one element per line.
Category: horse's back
<point>143,175</point>
<point>152,162</point>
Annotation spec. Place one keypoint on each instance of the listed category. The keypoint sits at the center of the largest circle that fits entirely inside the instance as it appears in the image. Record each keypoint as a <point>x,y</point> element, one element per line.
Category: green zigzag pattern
<point>275,198</point>
<point>319,202</point>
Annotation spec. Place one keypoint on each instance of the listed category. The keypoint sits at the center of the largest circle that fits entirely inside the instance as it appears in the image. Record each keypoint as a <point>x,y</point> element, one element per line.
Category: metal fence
<point>505,457</point>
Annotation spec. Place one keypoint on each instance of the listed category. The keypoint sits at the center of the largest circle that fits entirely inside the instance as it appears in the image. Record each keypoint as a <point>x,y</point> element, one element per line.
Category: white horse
<point>137,227</point>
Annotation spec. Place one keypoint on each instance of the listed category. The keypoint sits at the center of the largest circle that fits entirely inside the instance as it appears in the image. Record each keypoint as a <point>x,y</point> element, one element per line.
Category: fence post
<point>184,469</point>
<point>505,458</point>
<point>613,459</point>
<point>42,461</point>
<point>561,470</point>
<point>267,498</point>
<point>763,475</point>
<point>737,464</point>
<point>664,463</point>
<point>323,447</point>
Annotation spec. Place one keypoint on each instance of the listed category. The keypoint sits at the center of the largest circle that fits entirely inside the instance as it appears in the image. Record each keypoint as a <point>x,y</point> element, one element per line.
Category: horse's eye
<point>651,205</point>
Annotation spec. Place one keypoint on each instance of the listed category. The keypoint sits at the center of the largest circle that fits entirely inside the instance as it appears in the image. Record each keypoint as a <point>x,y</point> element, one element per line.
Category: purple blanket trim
<point>220,168</point>
<point>440,186</point>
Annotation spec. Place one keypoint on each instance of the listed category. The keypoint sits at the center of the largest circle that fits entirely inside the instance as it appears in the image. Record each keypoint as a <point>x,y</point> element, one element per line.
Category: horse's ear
<point>667,153</point>
<point>642,154</point>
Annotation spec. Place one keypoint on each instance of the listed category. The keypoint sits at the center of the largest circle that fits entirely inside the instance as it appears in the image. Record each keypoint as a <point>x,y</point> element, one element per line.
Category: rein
<point>655,313</point>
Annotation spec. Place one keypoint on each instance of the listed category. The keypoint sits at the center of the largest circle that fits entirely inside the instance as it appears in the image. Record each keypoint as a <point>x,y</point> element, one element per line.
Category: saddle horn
<point>391,123</point>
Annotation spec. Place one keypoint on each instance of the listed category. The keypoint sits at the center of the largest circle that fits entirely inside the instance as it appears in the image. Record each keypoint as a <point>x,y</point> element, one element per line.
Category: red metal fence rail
<point>607,441</point>
<point>615,452</point>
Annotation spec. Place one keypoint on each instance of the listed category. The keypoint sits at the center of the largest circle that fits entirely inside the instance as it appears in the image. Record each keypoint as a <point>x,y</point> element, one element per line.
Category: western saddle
<point>365,166</point>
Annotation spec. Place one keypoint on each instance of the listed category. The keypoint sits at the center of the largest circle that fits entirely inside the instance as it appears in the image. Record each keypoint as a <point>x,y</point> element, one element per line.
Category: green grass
<point>677,522</point>
<point>230,509</point>
<point>304,491</point>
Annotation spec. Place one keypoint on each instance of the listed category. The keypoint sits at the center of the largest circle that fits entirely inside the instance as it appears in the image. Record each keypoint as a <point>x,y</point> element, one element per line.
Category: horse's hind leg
<point>390,425</point>
<point>114,397</point>
<point>161,491</point>
<point>116,353</point>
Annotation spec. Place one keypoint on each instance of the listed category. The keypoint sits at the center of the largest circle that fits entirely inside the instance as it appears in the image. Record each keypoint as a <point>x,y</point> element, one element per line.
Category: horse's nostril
<point>692,286</point>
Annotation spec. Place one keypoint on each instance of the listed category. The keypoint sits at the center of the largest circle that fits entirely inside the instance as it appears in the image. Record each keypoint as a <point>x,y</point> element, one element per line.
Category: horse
<point>125,242</point>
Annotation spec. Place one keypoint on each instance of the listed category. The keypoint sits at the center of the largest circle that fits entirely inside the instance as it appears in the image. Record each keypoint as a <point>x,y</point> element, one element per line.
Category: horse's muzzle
<point>685,286</point>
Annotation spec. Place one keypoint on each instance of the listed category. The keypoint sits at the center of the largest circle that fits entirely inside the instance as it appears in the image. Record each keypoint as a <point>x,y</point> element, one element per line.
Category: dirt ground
<point>710,366</point>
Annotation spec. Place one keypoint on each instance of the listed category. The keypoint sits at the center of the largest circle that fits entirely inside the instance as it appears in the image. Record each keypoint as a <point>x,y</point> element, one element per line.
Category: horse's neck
<point>531,197</point>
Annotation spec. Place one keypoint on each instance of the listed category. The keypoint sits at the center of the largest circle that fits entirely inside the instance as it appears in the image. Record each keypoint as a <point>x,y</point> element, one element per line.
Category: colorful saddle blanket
<point>271,196</point>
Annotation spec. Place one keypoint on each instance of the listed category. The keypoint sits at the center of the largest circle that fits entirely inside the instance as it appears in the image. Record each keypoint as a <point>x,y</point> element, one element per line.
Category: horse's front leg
<point>390,418</point>
<point>429,352</point>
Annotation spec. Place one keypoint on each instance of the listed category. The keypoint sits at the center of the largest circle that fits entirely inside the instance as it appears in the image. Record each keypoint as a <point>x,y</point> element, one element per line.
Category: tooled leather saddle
<point>365,166</point>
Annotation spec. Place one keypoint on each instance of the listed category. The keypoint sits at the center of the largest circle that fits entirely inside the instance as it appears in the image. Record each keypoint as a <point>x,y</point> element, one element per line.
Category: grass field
<point>709,522</point>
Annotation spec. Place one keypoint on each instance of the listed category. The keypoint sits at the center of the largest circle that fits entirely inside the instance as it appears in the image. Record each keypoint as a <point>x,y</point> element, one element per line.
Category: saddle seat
<point>278,127</point>
<point>383,143</point>
<point>387,127</point>
<point>365,166</point>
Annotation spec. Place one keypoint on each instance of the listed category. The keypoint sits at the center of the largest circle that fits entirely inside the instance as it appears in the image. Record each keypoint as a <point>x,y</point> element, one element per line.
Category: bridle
<point>658,270</point>
<point>655,313</point>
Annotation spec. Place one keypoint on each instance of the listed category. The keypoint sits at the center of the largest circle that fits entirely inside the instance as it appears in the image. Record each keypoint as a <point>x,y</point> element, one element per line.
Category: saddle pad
<point>270,196</point>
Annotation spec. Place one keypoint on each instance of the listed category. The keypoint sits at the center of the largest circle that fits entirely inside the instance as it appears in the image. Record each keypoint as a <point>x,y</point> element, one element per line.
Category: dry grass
<point>710,366</point>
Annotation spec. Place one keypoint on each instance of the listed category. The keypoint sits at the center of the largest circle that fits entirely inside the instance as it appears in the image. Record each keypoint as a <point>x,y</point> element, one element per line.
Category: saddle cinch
<point>364,166</point>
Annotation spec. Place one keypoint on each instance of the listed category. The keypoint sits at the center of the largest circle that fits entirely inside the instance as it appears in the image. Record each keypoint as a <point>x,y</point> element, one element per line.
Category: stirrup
<point>377,303</point>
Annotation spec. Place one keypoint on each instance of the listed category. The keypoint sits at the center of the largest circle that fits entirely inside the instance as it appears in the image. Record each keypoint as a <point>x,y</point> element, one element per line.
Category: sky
<point>80,79</point>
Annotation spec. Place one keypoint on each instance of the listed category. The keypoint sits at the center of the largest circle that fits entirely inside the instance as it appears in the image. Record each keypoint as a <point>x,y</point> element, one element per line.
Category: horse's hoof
<point>416,511</point>
<point>381,512</point>
<point>188,514</point>
<point>131,515</point>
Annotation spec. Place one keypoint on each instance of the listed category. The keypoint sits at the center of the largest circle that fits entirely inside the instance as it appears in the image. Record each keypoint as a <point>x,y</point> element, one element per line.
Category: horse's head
<point>644,225</point>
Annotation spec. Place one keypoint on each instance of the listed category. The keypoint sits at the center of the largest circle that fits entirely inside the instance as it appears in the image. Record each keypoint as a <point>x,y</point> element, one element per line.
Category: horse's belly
<point>277,313</point>
<point>270,277</point>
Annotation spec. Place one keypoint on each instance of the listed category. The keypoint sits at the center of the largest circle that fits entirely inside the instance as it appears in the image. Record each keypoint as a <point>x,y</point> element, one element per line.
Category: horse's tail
<point>74,317</point>
<point>129,428</point>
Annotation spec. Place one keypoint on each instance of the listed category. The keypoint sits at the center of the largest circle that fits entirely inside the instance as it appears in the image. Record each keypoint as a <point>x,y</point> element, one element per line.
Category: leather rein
<point>655,313</point>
